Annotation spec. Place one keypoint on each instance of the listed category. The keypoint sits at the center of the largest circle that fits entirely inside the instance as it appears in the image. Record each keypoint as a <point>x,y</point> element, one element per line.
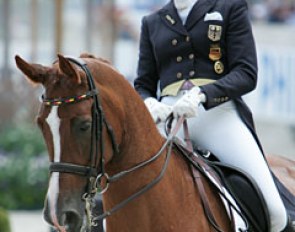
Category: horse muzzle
<point>66,219</point>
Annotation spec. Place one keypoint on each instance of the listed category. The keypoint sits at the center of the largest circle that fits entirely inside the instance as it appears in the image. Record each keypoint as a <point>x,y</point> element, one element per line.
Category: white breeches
<point>221,131</point>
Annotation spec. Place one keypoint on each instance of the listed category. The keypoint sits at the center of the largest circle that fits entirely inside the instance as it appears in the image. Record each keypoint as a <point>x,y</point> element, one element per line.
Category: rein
<point>168,144</point>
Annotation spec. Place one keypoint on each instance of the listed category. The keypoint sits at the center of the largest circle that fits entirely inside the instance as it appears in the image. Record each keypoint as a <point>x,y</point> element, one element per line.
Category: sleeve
<point>147,77</point>
<point>240,57</point>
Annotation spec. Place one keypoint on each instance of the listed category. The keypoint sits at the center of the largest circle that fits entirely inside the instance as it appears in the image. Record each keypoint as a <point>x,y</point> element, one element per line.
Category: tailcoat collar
<point>198,12</point>
<point>171,18</point>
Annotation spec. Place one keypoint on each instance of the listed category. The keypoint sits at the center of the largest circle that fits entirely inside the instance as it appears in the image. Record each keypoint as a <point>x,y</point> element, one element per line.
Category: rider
<point>202,54</point>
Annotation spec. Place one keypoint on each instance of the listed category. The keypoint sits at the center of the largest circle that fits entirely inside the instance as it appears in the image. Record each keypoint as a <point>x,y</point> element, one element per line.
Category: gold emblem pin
<point>170,19</point>
<point>214,32</point>
<point>218,67</point>
<point>215,53</point>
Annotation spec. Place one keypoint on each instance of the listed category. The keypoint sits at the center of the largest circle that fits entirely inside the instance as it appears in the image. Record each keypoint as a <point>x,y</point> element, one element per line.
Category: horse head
<point>79,138</point>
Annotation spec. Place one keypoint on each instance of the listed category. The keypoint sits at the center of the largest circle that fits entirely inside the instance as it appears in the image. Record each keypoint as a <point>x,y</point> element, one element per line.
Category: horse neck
<point>140,138</point>
<point>141,141</point>
<point>141,135</point>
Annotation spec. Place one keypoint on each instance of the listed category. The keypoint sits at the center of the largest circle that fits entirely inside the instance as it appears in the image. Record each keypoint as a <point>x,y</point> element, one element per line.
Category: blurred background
<point>39,29</point>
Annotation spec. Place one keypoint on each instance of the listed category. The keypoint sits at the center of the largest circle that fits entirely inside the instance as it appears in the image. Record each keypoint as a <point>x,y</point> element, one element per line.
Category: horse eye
<point>85,126</point>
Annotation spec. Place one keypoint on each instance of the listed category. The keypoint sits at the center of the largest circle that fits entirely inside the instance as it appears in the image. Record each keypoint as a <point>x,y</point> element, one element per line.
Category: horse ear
<point>35,72</point>
<point>67,68</point>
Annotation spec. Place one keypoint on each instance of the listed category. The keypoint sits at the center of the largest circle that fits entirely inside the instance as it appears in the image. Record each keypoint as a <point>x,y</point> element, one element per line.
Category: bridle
<point>94,175</point>
<point>98,122</point>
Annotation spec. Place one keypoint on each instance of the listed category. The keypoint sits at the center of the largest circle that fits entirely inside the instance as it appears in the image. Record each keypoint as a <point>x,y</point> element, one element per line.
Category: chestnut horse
<point>103,128</point>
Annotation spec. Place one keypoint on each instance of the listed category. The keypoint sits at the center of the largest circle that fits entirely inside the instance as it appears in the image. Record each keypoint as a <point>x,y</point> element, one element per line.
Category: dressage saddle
<point>242,195</point>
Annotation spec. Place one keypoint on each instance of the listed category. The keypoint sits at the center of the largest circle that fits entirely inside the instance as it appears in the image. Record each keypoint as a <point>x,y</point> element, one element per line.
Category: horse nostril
<point>72,221</point>
<point>70,217</point>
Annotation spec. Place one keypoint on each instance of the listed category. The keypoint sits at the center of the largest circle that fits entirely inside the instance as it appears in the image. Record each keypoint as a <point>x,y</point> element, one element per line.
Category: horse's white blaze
<point>52,195</point>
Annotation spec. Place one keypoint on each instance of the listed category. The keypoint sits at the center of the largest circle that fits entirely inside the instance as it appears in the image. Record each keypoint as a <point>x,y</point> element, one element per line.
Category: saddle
<point>241,196</point>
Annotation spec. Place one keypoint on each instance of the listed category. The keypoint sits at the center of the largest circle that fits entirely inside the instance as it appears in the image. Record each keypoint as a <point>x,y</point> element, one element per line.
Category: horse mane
<point>108,77</point>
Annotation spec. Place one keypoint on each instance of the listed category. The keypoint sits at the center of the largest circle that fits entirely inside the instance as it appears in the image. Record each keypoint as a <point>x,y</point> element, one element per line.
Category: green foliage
<point>25,139</point>
<point>23,183</point>
<point>23,168</point>
<point>4,221</point>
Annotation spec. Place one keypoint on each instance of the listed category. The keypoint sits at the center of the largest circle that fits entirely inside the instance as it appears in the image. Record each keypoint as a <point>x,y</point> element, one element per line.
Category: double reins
<point>168,145</point>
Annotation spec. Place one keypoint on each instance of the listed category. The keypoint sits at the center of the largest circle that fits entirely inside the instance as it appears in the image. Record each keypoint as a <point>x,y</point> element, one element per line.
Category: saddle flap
<point>241,187</point>
<point>246,194</point>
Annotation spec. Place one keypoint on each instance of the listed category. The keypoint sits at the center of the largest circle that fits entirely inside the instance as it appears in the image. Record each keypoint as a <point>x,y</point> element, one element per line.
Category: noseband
<point>98,122</point>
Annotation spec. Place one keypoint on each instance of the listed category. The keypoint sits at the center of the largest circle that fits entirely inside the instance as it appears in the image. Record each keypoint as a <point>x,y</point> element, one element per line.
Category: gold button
<point>191,73</point>
<point>187,38</point>
<point>191,56</point>
<point>179,59</point>
<point>174,42</point>
<point>179,75</point>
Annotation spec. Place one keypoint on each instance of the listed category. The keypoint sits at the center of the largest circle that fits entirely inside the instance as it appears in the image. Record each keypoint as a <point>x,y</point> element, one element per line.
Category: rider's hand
<point>158,110</point>
<point>188,104</point>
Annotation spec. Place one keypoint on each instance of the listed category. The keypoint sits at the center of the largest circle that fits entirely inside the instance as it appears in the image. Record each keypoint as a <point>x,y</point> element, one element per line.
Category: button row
<point>191,74</point>
<point>221,99</point>
<point>180,58</point>
<point>175,41</point>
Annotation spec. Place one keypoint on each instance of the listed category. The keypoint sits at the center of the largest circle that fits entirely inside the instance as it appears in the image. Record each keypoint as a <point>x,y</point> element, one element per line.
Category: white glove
<point>158,110</point>
<point>188,104</point>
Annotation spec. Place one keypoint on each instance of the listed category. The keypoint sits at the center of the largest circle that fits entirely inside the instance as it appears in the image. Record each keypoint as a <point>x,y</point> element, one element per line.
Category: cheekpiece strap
<point>68,100</point>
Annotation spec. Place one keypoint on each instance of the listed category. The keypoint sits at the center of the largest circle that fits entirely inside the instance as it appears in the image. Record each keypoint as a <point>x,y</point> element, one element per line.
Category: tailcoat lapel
<point>171,18</point>
<point>198,12</point>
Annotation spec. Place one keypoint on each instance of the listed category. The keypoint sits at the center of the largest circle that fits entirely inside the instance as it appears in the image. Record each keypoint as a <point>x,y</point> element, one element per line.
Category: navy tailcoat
<point>216,32</point>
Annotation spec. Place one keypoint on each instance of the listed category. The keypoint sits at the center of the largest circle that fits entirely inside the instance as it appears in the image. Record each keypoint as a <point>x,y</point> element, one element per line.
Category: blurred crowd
<point>265,11</point>
<point>273,11</point>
